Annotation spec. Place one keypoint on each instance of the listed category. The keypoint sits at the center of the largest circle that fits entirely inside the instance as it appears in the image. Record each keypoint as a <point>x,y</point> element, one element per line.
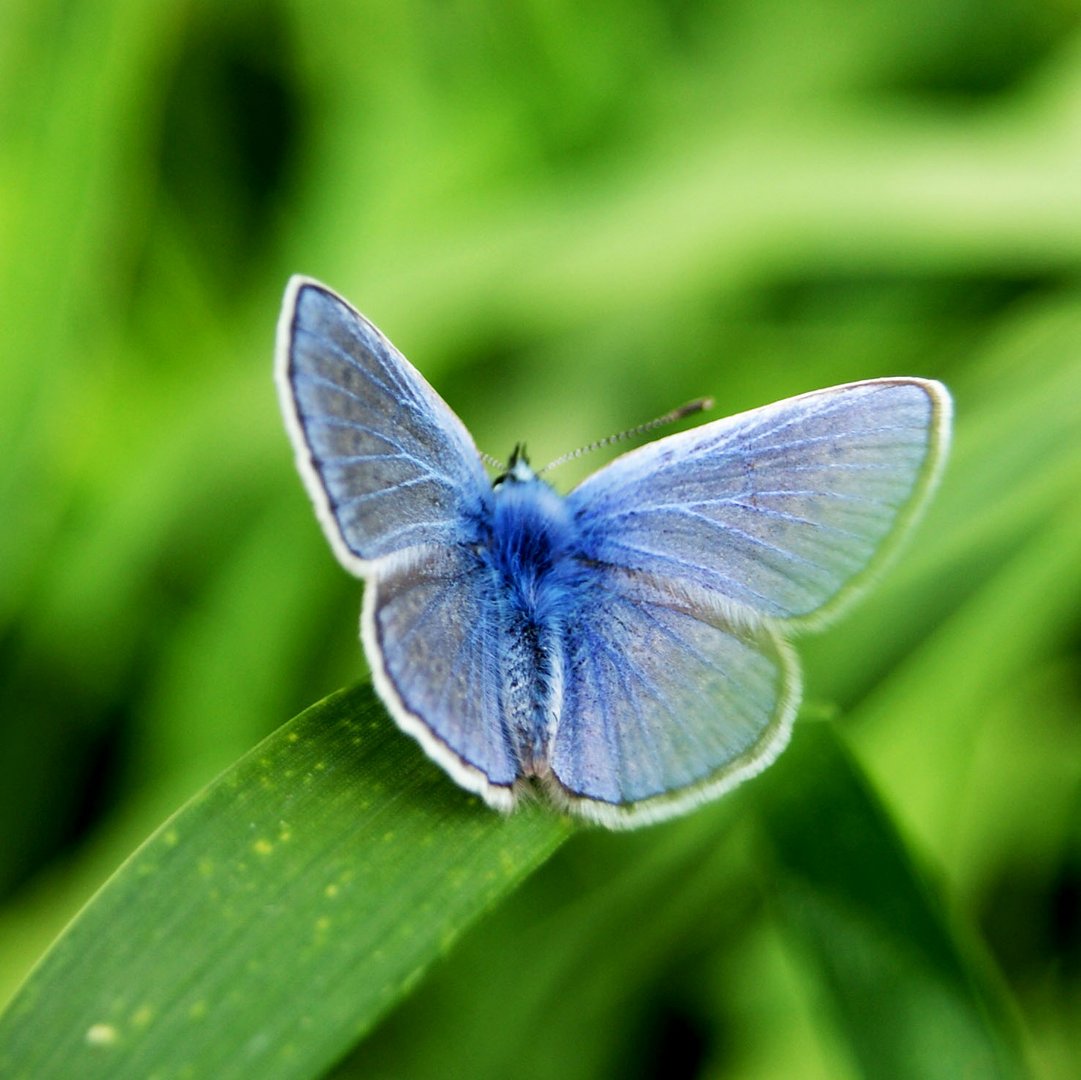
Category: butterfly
<point>626,646</point>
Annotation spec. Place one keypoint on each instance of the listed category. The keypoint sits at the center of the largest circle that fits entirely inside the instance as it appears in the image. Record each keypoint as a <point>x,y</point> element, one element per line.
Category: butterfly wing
<point>401,493</point>
<point>387,463</point>
<point>664,708</point>
<point>704,547</point>
<point>784,510</point>
<point>435,633</point>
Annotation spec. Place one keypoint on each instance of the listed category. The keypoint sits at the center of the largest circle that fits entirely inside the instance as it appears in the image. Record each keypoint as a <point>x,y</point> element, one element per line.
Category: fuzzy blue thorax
<point>532,531</point>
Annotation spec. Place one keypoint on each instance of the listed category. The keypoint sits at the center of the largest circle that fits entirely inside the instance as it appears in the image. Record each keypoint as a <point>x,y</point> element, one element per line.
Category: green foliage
<point>908,996</point>
<point>270,922</point>
<point>571,217</point>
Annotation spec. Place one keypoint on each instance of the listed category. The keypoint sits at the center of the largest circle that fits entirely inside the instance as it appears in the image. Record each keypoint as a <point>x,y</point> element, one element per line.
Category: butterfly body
<point>624,646</point>
<point>528,548</point>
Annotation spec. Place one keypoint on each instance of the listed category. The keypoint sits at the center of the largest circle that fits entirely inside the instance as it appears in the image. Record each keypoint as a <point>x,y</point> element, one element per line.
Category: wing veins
<point>804,493</point>
<point>684,565</point>
<point>612,739</point>
<point>342,354</point>
<point>399,450</point>
<point>833,437</point>
<point>622,672</point>
<point>735,501</point>
<point>833,466</point>
<point>734,530</point>
<point>656,693</point>
<point>782,515</point>
<point>358,459</point>
<point>355,500</point>
<point>330,384</point>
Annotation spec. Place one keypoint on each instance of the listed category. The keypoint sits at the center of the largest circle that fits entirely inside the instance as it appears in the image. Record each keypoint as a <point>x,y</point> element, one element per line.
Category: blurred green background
<point>571,218</point>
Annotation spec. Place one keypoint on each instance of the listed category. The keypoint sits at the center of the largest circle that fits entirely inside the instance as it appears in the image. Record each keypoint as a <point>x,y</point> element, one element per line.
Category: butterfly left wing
<point>784,510</point>
<point>402,494</point>
<point>434,629</point>
<point>387,463</point>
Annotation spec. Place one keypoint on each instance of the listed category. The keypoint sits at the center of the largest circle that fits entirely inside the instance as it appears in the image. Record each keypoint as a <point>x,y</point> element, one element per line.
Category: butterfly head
<point>519,471</point>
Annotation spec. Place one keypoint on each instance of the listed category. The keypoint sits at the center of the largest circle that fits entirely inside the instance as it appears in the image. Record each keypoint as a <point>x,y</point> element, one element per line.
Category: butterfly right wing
<point>701,549</point>
<point>387,463</point>
<point>785,510</point>
<point>663,707</point>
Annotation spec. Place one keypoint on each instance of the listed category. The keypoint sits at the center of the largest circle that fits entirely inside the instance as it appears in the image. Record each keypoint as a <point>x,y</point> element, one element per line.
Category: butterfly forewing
<point>780,510</point>
<point>388,464</point>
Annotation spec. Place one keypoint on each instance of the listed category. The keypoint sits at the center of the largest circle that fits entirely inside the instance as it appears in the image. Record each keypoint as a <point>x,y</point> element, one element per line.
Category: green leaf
<point>912,998</point>
<point>266,926</point>
<point>588,940</point>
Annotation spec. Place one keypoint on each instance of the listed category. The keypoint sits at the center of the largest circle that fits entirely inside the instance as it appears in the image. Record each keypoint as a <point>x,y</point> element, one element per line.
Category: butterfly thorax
<point>531,531</point>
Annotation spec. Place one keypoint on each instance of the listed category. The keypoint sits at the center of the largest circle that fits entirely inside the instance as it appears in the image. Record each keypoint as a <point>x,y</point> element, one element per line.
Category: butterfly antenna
<point>692,407</point>
<point>494,462</point>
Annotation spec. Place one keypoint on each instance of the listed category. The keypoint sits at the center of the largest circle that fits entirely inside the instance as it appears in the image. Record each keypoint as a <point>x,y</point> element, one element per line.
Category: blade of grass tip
<point>912,998</point>
<point>265,927</point>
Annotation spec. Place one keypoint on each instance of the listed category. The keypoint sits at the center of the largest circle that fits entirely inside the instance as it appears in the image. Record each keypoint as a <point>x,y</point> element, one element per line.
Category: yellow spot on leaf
<point>262,847</point>
<point>142,1016</point>
<point>102,1035</point>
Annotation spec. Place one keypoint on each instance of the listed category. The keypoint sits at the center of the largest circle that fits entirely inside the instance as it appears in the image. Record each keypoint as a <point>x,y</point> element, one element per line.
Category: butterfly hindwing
<point>780,510</point>
<point>435,634</point>
<point>387,463</point>
<point>664,706</point>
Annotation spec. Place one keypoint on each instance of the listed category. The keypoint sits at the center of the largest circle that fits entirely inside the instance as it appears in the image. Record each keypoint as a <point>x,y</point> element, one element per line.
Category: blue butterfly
<point>625,646</point>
